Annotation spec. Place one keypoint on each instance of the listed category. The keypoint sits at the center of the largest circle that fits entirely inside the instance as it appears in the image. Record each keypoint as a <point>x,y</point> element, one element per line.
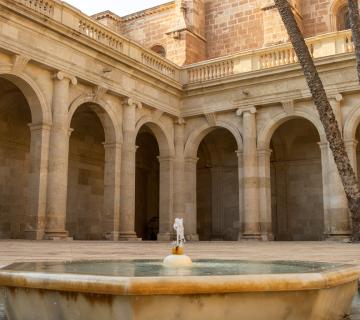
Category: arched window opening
<point>343,18</point>
<point>159,50</point>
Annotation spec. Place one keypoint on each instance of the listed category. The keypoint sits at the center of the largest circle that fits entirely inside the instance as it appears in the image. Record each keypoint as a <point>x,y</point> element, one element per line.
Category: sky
<point>120,7</point>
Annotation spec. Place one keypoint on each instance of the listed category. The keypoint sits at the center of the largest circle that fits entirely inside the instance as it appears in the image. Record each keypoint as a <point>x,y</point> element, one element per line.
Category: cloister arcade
<point>109,178</point>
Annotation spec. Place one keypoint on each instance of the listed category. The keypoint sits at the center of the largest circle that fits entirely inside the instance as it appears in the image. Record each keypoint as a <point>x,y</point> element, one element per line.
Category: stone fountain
<point>177,288</point>
<point>178,259</point>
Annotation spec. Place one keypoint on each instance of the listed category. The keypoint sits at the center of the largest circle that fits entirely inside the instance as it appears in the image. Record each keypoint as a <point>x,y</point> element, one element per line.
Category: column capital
<point>111,145</point>
<point>60,75</point>
<point>166,158</point>
<point>192,159</point>
<point>39,126</point>
<point>323,145</point>
<point>338,97</point>
<point>71,130</point>
<point>130,102</point>
<point>264,152</point>
<point>350,142</point>
<point>239,153</point>
<point>250,110</point>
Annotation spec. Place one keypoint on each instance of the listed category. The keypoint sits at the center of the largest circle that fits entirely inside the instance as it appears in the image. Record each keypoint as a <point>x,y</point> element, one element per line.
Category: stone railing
<point>45,7</point>
<point>210,70</point>
<point>97,33</point>
<point>213,71</point>
<point>85,25</point>
<point>281,55</point>
<point>158,64</point>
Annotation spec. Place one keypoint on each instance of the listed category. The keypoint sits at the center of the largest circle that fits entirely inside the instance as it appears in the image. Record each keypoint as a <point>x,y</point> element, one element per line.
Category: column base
<point>164,237</point>
<point>111,236</point>
<point>192,237</point>
<point>341,237</point>
<point>57,235</point>
<point>34,234</point>
<point>252,236</point>
<point>128,236</point>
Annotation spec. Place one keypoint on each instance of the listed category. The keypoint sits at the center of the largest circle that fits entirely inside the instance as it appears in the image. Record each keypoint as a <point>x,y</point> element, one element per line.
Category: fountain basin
<point>140,290</point>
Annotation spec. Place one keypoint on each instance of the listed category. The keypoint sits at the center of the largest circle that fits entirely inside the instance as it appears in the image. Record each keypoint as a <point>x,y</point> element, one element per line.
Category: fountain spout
<point>178,258</point>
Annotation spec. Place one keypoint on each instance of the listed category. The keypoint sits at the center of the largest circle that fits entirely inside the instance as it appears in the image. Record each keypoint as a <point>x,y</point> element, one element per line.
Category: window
<point>343,18</point>
<point>159,50</point>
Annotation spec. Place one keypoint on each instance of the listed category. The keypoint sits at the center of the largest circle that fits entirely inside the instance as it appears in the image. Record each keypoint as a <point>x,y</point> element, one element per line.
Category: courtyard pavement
<point>12,251</point>
<point>17,251</point>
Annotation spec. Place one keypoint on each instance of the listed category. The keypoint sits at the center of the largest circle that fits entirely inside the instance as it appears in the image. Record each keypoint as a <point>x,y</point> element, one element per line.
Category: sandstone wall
<point>14,161</point>
<point>86,177</point>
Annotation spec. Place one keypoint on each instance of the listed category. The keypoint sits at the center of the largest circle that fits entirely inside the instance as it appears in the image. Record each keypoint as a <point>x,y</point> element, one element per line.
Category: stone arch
<point>40,109</point>
<point>335,9</point>
<point>351,124</point>
<point>166,147</point>
<point>196,136</point>
<point>270,127</point>
<point>107,116</point>
<point>159,49</point>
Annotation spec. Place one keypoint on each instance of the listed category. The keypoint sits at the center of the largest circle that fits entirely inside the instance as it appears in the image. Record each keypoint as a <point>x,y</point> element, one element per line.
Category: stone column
<point>58,159</point>
<point>350,146</point>
<point>128,167</point>
<point>39,156</point>
<point>240,156</point>
<point>111,220</point>
<point>265,194</point>
<point>336,214</point>
<point>166,198</point>
<point>190,222</point>
<point>337,218</point>
<point>179,169</point>
<point>251,223</point>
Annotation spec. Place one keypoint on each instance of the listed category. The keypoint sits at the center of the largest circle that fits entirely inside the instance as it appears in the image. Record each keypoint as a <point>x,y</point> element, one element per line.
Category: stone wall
<point>86,177</point>
<point>14,160</point>
<point>217,187</point>
<point>296,177</point>
<point>147,186</point>
<point>217,28</point>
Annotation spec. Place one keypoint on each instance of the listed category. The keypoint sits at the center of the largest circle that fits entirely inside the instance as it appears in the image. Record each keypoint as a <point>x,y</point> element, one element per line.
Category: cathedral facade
<point>110,127</point>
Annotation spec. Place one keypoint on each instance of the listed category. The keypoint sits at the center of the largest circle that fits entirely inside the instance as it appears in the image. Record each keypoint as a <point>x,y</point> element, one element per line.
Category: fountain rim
<point>178,285</point>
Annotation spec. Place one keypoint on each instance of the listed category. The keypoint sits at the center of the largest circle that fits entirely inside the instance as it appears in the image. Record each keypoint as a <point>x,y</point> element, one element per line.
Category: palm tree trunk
<point>326,114</point>
<point>355,28</point>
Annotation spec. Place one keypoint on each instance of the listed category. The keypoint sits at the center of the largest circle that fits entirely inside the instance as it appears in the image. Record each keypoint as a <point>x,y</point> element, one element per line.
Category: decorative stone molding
<point>289,106</point>
<point>99,92</point>
<point>157,114</point>
<point>210,118</point>
<point>20,62</point>
<point>180,121</point>
<point>240,112</point>
<point>60,75</point>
